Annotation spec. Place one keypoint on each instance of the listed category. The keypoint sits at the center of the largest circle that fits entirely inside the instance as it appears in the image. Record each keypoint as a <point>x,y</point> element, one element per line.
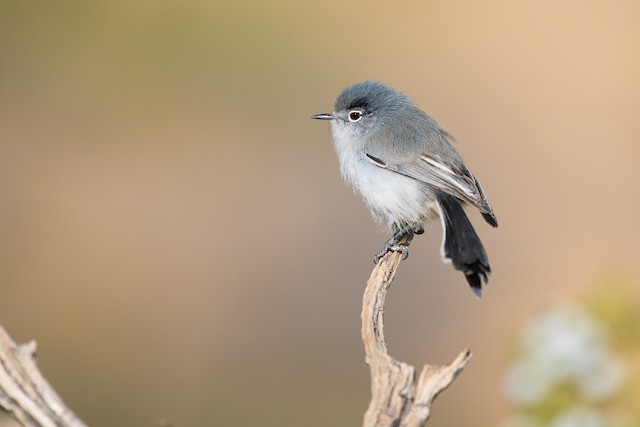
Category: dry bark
<point>24,393</point>
<point>398,397</point>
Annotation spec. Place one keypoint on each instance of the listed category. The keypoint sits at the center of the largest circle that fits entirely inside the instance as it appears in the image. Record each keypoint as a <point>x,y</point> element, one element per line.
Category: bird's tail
<point>461,245</point>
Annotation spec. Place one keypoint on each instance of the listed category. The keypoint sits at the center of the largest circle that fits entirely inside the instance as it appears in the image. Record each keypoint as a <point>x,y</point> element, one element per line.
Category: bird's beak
<point>324,116</point>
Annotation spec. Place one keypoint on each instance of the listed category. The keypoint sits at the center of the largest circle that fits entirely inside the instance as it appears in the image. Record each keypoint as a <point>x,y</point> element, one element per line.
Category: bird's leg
<point>393,243</point>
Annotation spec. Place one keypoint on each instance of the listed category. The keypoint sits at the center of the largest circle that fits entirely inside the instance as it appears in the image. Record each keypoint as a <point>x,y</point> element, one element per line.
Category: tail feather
<point>490,218</point>
<point>461,245</point>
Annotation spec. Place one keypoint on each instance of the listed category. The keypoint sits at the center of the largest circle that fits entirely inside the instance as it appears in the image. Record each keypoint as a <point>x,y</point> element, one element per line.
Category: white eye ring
<point>355,116</point>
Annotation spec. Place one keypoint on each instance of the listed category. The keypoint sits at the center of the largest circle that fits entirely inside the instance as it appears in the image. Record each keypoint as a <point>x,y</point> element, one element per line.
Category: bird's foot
<point>393,244</point>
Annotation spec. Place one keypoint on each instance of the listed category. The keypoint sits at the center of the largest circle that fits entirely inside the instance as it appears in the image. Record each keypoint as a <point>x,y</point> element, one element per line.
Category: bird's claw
<point>404,250</point>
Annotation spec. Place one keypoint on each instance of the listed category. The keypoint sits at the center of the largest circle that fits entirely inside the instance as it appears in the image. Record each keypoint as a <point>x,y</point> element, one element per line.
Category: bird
<point>403,164</point>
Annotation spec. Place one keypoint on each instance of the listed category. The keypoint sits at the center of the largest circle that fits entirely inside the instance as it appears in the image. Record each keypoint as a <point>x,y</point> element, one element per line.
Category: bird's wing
<point>456,180</point>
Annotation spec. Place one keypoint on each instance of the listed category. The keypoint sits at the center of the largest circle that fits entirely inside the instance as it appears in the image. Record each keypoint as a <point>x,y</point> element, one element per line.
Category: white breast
<point>392,198</point>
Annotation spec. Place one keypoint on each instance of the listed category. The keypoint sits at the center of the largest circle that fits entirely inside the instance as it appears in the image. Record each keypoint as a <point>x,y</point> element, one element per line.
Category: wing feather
<point>456,180</point>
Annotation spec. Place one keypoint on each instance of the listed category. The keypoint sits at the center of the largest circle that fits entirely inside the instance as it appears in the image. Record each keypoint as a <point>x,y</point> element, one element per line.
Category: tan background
<point>175,234</point>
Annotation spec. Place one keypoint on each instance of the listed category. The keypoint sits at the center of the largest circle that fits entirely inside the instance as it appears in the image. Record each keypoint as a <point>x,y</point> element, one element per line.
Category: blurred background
<point>177,238</point>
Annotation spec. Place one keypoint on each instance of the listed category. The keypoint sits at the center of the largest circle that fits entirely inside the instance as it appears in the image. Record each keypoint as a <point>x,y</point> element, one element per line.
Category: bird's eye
<point>355,115</point>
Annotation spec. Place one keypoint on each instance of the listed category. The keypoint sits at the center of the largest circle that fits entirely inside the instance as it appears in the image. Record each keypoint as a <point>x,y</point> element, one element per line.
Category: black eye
<point>355,115</point>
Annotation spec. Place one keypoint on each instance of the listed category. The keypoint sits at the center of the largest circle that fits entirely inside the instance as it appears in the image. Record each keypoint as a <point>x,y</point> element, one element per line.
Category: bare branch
<point>24,393</point>
<point>398,398</point>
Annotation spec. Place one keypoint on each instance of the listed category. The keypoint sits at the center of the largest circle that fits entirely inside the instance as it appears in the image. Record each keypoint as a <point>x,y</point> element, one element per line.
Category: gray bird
<point>402,163</point>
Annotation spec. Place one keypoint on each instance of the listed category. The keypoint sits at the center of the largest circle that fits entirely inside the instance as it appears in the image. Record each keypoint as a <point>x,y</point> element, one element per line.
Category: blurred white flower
<point>578,417</point>
<point>563,344</point>
<point>605,381</point>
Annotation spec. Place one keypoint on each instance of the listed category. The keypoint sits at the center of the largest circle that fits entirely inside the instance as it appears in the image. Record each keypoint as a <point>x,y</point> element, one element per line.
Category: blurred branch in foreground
<point>24,393</point>
<point>398,398</point>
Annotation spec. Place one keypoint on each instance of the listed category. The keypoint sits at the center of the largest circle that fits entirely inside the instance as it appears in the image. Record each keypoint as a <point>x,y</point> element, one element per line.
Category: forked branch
<point>398,397</point>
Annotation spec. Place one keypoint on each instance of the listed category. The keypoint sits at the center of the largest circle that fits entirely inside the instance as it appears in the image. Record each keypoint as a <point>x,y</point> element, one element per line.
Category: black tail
<point>462,246</point>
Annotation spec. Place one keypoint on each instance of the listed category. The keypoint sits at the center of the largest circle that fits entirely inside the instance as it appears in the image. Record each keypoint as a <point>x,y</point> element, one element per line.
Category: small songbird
<point>402,163</point>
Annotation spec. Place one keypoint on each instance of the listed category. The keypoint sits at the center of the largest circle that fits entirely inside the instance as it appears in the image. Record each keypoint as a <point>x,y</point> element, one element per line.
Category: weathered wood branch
<point>398,397</point>
<point>24,393</point>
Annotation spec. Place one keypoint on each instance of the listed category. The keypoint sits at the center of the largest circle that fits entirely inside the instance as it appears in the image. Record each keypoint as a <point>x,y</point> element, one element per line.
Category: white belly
<point>392,198</point>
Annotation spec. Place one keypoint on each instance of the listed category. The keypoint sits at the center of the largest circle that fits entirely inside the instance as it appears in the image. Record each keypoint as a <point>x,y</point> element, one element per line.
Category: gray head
<point>367,106</point>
